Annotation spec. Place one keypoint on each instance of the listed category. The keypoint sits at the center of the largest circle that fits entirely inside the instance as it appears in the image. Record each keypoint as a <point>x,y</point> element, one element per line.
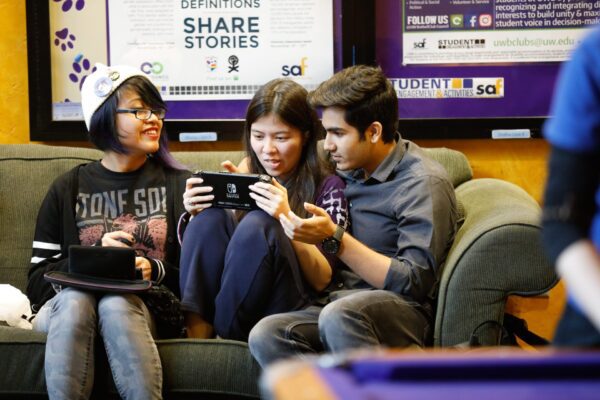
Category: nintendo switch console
<point>231,189</point>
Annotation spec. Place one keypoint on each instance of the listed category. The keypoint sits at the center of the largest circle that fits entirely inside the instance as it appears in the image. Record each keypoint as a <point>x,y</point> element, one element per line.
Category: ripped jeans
<point>71,320</point>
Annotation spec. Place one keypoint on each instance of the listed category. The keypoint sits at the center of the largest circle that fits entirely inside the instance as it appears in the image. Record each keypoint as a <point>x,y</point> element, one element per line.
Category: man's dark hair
<point>365,94</point>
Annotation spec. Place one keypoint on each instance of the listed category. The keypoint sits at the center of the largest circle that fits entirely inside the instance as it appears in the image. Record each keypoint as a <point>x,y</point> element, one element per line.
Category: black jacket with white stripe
<point>56,230</point>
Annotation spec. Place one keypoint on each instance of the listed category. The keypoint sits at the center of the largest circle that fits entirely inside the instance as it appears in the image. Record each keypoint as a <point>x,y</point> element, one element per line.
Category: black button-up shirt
<point>406,210</point>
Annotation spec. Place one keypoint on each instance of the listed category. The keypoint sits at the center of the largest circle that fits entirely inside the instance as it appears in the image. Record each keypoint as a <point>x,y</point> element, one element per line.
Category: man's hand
<point>308,230</point>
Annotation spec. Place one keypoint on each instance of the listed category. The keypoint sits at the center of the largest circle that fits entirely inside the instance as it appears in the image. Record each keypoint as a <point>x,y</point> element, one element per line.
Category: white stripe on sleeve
<point>45,245</point>
<point>160,274</point>
<point>35,260</point>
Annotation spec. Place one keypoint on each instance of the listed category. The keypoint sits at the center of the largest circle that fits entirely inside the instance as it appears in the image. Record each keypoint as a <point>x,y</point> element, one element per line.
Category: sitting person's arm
<point>48,251</point>
<point>317,266</point>
<point>421,244</point>
<point>272,198</point>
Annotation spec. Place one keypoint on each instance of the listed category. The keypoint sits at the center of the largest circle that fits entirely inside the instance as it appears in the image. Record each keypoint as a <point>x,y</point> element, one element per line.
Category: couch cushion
<point>216,369</point>
<point>22,353</point>
<point>219,368</point>
<point>27,170</point>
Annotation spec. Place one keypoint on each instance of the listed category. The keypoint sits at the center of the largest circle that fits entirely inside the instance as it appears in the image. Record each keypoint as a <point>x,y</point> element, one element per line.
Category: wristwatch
<point>331,244</point>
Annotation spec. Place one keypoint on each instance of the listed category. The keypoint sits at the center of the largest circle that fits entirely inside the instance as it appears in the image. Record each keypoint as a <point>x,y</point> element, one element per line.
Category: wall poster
<point>494,31</point>
<point>477,59</point>
<point>207,57</point>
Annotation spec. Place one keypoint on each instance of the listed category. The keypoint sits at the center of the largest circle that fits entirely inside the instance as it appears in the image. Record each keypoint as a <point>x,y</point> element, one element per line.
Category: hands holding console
<point>264,192</point>
<point>197,197</point>
<point>272,198</point>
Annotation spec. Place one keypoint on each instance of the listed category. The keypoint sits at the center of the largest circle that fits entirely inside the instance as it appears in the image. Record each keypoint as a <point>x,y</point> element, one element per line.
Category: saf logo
<point>494,90</point>
<point>295,70</point>
<point>420,45</point>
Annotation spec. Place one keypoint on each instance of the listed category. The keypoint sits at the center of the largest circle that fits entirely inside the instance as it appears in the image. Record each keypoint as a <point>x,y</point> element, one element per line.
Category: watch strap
<point>339,232</point>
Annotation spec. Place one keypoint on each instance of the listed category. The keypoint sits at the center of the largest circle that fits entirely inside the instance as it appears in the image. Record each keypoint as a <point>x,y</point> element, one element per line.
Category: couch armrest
<point>497,251</point>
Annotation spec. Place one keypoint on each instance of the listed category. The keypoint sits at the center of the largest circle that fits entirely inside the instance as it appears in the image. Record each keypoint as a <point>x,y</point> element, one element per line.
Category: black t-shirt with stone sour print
<point>134,202</point>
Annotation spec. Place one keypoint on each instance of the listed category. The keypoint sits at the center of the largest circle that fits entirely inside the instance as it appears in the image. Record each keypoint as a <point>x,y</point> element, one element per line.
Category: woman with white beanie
<point>126,200</point>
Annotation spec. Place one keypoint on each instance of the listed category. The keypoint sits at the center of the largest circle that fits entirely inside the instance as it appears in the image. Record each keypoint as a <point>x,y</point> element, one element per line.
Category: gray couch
<point>496,253</point>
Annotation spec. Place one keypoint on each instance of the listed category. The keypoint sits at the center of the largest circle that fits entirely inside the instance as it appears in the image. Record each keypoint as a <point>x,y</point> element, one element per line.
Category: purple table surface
<point>494,374</point>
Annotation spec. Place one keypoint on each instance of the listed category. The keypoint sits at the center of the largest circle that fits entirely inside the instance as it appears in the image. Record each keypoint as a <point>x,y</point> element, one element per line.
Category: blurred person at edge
<point>571,215</point>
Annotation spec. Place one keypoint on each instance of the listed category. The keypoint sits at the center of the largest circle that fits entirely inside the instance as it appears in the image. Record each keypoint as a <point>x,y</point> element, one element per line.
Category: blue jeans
<point>233,275</point>
<point>72,318</point>
<point>361,319</point>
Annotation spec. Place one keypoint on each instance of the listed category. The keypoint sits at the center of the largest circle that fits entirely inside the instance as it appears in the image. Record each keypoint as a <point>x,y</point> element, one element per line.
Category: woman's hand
<point>144,265</point>
<point>118,239</point>
<point>197,197</point>
<point>271,198</point>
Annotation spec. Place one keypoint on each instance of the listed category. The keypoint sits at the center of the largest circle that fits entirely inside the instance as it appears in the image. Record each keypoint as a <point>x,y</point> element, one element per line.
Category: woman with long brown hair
<point>233,273</point>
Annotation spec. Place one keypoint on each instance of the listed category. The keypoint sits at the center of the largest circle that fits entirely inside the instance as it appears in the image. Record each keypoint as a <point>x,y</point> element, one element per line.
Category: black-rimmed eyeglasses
<point>143,113</point>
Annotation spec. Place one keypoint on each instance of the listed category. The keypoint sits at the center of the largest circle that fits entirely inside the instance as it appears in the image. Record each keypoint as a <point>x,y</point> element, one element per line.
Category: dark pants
<point>360,319</point>
<point>575,330</point>
<point>233,276</point>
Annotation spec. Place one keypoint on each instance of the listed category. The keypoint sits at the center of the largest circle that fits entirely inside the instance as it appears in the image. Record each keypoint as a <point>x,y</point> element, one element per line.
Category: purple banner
<point>527,87</point>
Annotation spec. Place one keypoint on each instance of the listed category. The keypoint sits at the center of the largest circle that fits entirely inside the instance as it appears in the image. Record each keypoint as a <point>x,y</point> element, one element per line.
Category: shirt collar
<point>385,168</point>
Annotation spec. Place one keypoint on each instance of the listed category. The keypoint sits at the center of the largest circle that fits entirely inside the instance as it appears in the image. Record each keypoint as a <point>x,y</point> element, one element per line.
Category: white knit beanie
<point>100,84</point>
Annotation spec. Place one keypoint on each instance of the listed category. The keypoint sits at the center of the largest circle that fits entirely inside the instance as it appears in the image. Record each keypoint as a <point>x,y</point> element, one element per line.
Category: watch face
<point>331,246</point>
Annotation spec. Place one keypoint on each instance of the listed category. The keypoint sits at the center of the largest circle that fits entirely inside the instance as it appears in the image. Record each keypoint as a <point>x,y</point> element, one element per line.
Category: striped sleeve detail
<point>160,271</point>
<point>43,251</point>
<point>35,260</point>
<point>45,245</point>
<point>184,219</point>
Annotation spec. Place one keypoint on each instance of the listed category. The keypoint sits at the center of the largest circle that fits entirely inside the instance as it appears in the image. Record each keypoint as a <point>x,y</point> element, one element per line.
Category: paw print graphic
<point>64,39</point>
<point>67,4</point>
<point>81,70</point>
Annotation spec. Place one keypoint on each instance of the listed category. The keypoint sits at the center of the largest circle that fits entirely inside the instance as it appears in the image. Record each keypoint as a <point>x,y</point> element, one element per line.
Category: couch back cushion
<point>207,160</point>
<point>456,164</point>
<point>27,170</point>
